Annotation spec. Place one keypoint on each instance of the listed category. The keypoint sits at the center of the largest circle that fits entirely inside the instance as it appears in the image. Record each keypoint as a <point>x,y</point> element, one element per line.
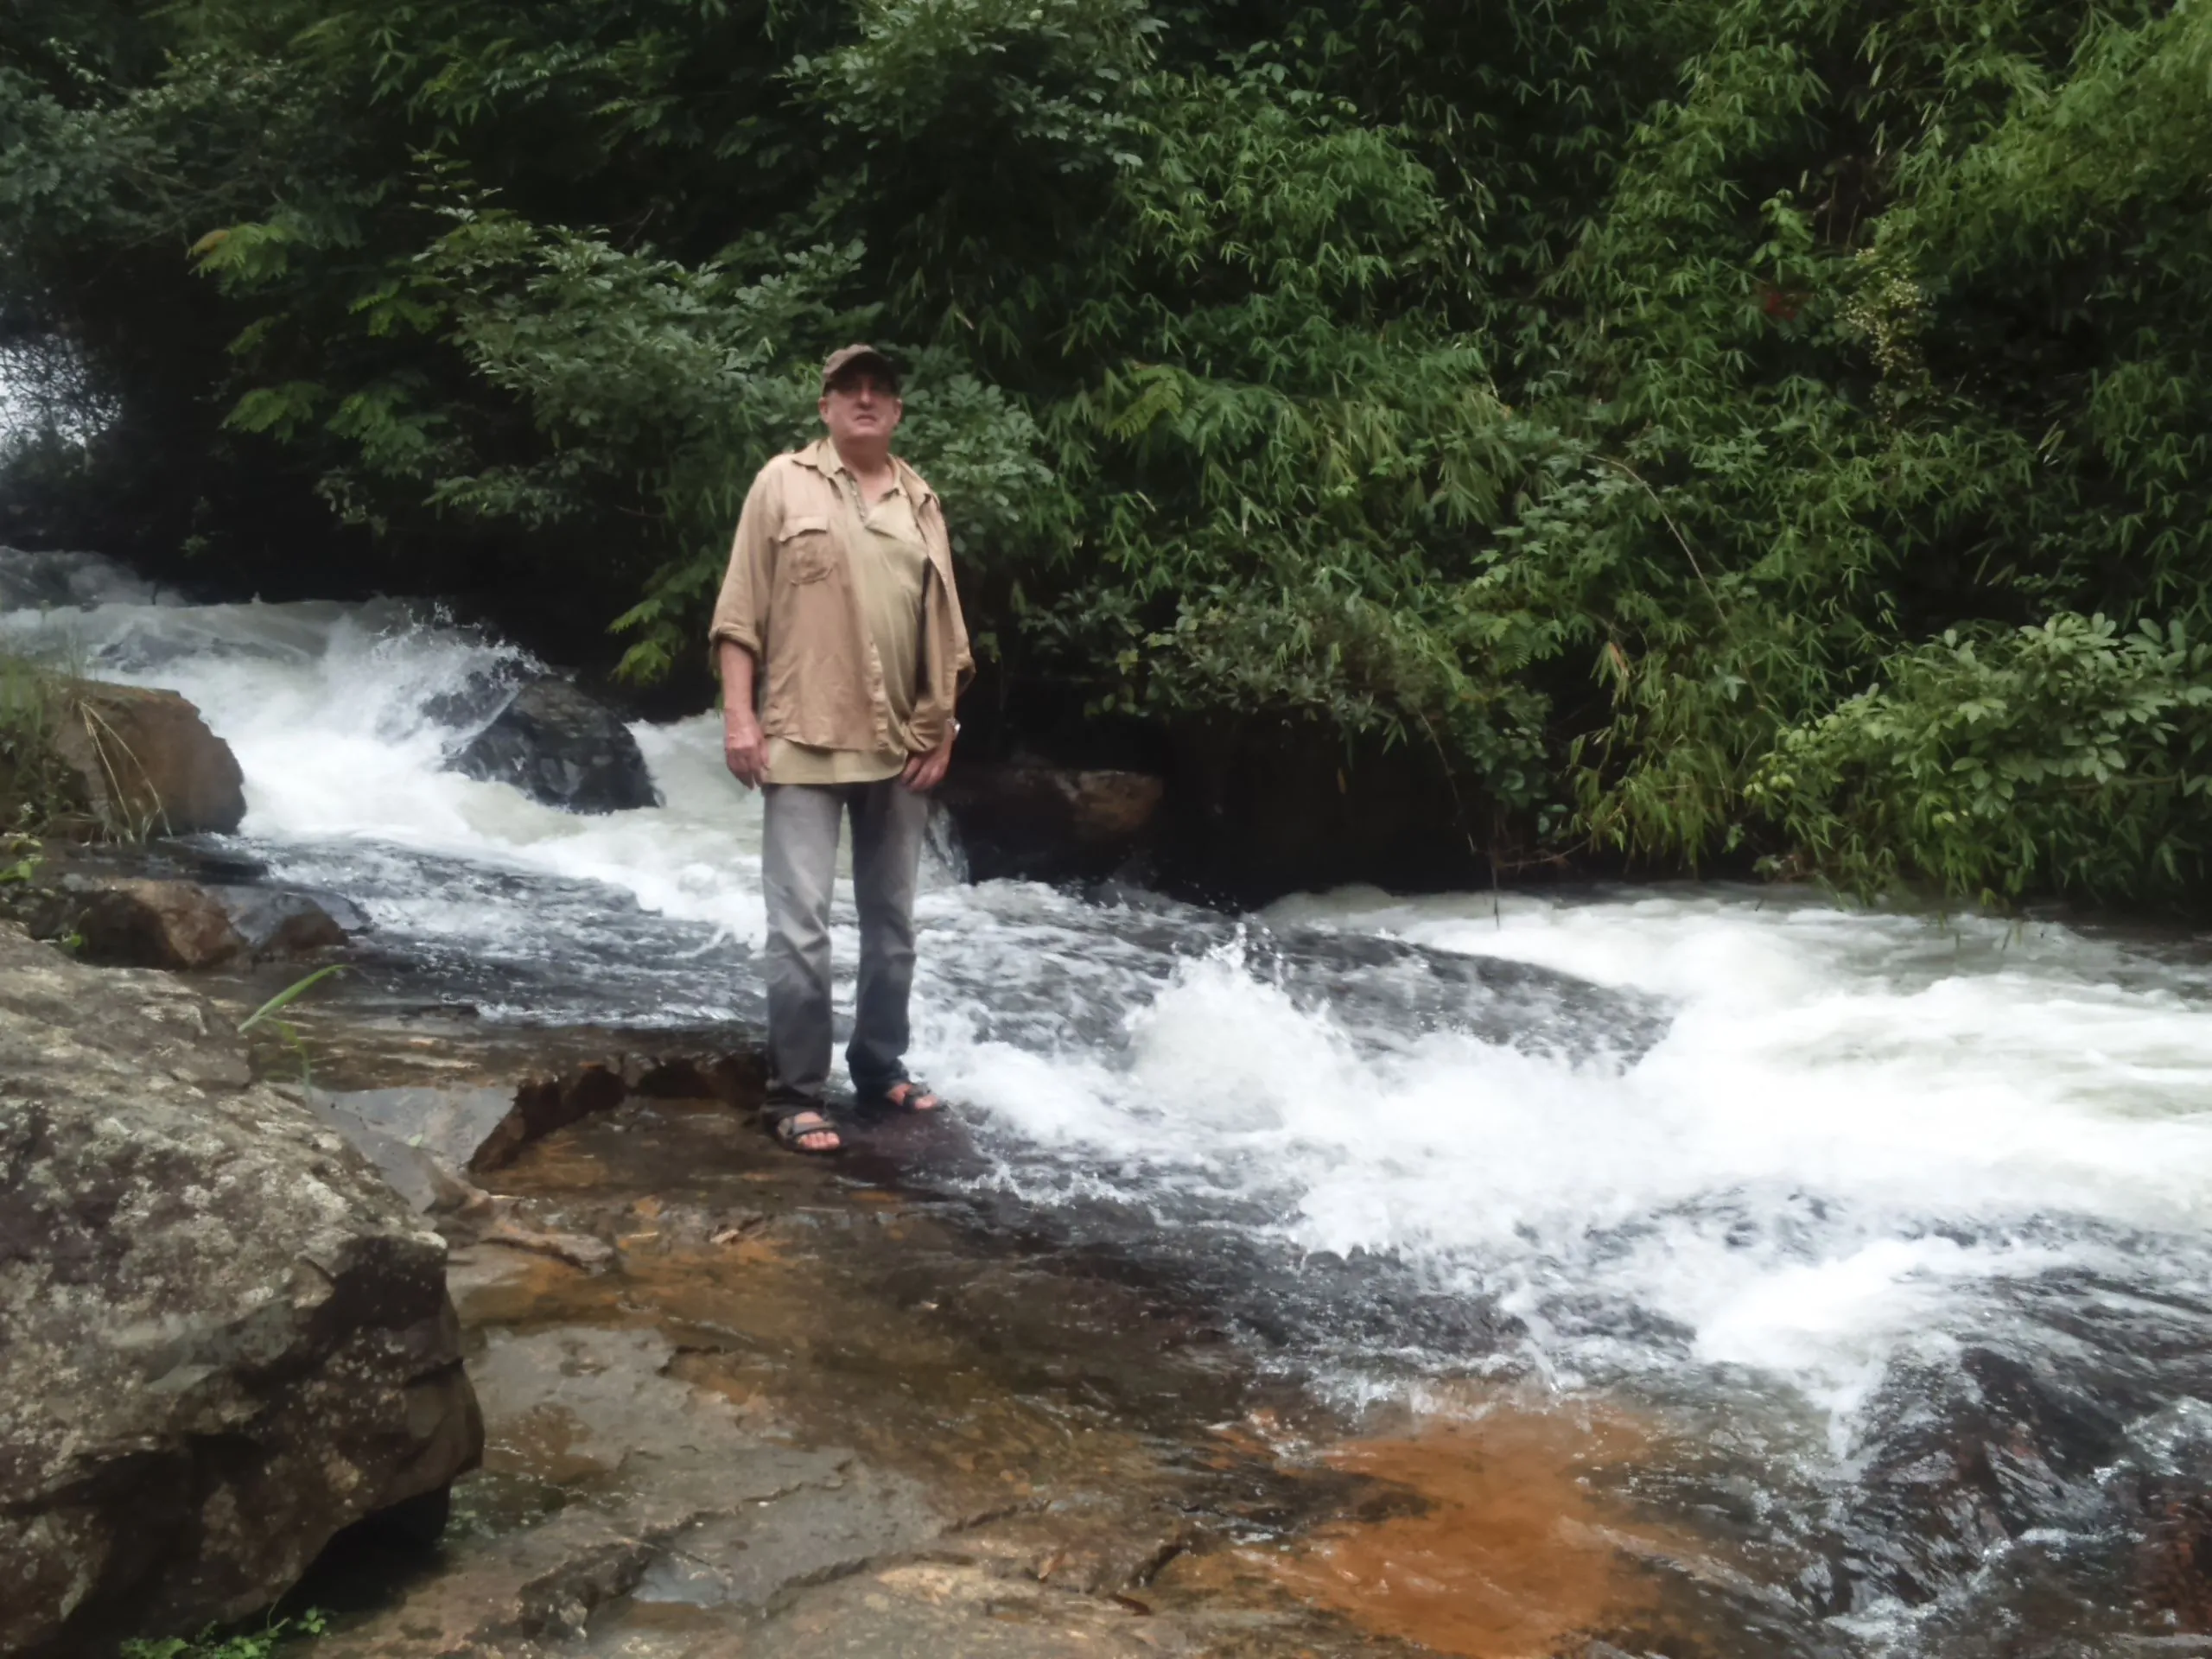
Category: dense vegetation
<point>38,791</point>
<point>1714,427</point>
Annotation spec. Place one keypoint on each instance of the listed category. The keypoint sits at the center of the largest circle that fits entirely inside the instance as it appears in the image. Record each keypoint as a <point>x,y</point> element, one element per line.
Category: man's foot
<point>907,1095</point>
<point>807,1130</point>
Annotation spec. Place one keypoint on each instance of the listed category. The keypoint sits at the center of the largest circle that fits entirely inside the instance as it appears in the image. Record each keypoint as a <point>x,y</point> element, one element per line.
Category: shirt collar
<point>822,455</point>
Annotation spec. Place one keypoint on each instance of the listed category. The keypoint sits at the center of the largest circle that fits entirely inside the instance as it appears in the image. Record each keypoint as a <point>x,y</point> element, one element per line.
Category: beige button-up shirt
<point>791,597</point>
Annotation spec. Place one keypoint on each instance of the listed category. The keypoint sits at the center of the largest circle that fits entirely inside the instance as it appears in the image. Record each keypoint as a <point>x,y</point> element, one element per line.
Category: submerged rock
<point>226,1339</point>
<point>145,760</point>
<point>557,745</point>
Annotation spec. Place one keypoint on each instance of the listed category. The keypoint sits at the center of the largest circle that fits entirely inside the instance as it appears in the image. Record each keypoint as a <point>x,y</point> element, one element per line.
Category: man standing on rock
<point>841,651</point>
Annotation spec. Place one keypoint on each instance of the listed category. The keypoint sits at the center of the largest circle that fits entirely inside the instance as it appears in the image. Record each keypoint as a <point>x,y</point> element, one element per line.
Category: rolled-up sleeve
<point>741,609</point>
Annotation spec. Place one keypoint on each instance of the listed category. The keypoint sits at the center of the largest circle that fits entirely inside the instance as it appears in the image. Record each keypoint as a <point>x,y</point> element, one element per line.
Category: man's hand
<point>925,772</point>
<point>745,747</point>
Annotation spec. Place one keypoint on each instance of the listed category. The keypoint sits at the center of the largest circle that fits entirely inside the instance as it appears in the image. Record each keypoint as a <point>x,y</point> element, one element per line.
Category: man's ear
<point>821,408</point>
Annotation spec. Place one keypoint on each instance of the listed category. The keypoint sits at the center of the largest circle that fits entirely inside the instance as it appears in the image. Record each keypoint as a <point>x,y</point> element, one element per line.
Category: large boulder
<point>223,1338</point>
<point>146,762</point>
<point>1049,822</point>
<point>558,746</point>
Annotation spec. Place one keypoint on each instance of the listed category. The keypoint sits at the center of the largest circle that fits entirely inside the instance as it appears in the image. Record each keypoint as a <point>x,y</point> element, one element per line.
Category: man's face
<point>861,406</point>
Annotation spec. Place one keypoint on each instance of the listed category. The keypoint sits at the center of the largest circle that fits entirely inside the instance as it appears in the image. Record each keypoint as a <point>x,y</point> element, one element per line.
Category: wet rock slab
<point>783,1411</point>
<point>669,1498</point>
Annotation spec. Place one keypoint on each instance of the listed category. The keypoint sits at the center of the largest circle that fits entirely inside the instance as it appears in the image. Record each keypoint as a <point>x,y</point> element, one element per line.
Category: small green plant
<point>20,857</point>
<point>287,1033</point>
<point>257,1644</point>
<point>36,785</point>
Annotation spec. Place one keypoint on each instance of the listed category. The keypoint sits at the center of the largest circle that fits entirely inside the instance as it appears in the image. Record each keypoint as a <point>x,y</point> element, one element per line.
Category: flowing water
<point>1887,1235</point>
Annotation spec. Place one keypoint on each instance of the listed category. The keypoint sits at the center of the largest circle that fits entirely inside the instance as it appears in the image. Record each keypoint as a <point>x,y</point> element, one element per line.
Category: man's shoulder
<point>792,461</point>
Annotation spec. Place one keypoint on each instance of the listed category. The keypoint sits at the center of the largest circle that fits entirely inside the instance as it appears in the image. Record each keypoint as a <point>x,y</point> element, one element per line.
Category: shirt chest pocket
<point>804,552</point>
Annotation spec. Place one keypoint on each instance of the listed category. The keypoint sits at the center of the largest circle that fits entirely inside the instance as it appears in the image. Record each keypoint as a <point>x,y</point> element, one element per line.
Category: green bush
<point>38,789</point>
<point>2064,758</point>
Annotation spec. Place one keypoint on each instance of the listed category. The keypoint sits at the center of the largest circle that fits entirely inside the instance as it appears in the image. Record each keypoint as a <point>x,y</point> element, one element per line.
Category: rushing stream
<point>1892,1230</point>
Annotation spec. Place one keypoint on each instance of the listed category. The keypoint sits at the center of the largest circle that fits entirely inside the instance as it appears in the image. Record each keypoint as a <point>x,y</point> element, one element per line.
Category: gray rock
<point>276,923</point>
<point>948,1610</point>
<point>673,1500</point>
<point>815,1532</point>
<point>222,1337</point>
<point>448,1123</point>
<point>421,1139</point>
<point>557,745</point>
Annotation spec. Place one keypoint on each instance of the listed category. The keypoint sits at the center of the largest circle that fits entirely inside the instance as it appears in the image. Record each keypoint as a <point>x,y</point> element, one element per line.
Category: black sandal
<point>791,1132</point>
<point>905,1095</point>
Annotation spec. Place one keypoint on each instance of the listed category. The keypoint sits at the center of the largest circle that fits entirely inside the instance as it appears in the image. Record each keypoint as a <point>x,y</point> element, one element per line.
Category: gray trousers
<point>798,865</point>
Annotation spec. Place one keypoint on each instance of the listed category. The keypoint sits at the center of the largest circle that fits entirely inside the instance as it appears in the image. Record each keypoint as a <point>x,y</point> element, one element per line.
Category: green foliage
<point>38,789</point>
<point>280,1635</point>
<point>2067,757</point>
<point>287,1033</point>
<point>1602,397</point>
<point>20,857</point>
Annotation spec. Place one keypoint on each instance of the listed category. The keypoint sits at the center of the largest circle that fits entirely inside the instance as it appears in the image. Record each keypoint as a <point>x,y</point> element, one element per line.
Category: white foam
<point>324,705</point>
<point>1852,1129</point>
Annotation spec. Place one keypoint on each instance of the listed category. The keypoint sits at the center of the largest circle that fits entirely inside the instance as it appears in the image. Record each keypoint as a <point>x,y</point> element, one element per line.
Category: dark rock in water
<point>155,921</point>
<point>1049,823</point>
<point>277,923</point>
<point>470,706</point>
<point>2173,1503</point>
<point>557,745</point>
<point>2101,1445</point>
<point>139,924</point>
<point>226,1339</point>
<point>146,760</point>
<point>1257,809</point>
<point>1972,1459</point>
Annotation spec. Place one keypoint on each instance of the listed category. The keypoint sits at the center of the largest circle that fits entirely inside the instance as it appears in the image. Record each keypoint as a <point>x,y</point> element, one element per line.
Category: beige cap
<point>852,357</point>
